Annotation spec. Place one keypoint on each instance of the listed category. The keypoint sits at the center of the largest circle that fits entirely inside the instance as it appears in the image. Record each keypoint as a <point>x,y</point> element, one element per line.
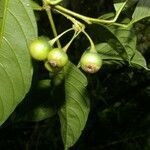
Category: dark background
<point>120,95</point>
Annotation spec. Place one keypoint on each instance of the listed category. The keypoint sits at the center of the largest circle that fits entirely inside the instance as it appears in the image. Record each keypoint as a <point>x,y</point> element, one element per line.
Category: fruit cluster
<point>56,58</point>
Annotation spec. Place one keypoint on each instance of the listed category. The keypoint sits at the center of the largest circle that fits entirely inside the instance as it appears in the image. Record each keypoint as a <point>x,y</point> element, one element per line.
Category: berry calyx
<point>50,68</point>
<point>39,49</point>
<point>91,62</point>
<point>57,58</point>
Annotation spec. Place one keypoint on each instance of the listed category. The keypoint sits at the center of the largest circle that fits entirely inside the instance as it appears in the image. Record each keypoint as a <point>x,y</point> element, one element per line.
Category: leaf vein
<point>27,15</point>
<point>16,60</point>
<point>78,104</point>
<point>77,89</point>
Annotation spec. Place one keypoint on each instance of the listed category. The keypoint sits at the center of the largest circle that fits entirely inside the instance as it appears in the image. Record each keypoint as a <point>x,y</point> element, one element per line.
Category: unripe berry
<point>57,58</point>
<point>39,49</point>
<point>91,62</point>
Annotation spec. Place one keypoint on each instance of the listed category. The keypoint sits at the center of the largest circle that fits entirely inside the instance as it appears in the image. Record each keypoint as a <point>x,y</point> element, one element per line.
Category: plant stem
<point>50,17</point>
<point>91,42</point>
<point>73,20</point>
<point>119,11</point>
<point>59,36</point>
<point>85,18</point>
<point>90,20</point>
<point>54,2</point>
<point>121,25</point>
<point>74,36</point>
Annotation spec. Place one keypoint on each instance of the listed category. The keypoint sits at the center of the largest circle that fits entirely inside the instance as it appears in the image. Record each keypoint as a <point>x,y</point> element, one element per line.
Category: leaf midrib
<point>65,109</point>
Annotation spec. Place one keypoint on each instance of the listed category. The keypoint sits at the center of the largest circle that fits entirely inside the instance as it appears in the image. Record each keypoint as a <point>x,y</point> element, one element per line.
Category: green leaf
<point>123,41</point>
<point>44,84</point>
<point>119,3</point>
<point>17,28</point>
<point>142,11</point>
<point>36,114</point>
<point>74,113</point>
<point>118,6</point>
<point>41,113</point>
<point>35,6</point>
<point>108,53</point>
<point>35,106</point>
<point>107,15</point>
<point>139,60</point>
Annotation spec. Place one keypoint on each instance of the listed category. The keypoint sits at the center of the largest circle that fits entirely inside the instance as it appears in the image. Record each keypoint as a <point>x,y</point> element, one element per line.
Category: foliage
<point>105,110</point>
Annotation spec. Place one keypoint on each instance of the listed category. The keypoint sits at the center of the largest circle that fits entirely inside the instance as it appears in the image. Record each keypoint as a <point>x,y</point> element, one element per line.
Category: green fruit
<point>57,58</point>
<point>91,62</point>
<point>39,49</point>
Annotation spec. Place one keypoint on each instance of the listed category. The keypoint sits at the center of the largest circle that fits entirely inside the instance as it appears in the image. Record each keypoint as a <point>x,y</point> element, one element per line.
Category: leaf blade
<point>141,11</point>
<point>15,63</point>
<point>108,53</point>
<point>123,41</point>
<point>74,113</point>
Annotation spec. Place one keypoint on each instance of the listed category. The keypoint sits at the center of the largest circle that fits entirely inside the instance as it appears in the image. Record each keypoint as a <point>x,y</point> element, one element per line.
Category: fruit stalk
<point>50,17</point>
